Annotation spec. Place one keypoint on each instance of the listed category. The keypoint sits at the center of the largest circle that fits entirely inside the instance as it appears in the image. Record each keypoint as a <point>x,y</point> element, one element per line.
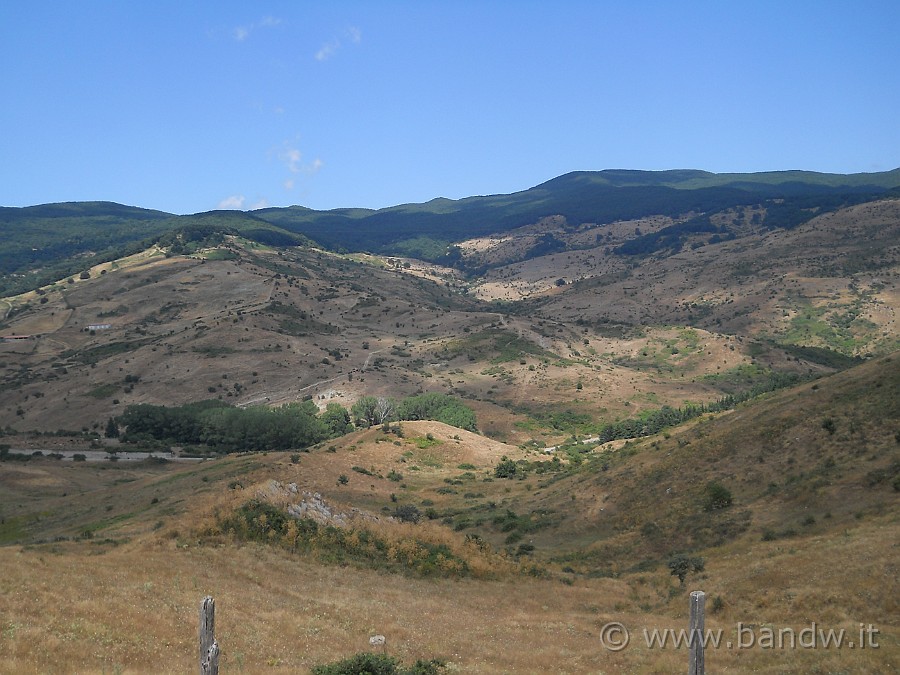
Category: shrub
<point>506,468</point>
<point>717,497</point>
<point>112,429</point>
<point>407,513</point>
<point>377,664</point>
<point>650,530</point>
<point>681,565</point>
<point>525,549</point>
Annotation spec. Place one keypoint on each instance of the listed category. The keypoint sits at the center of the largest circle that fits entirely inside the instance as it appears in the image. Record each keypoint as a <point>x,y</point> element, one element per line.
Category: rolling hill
<point>669,372</point>
<point>41,241</point>
<point>555,550</point>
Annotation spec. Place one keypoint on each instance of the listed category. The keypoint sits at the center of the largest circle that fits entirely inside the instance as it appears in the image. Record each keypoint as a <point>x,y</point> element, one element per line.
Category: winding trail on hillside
<point>265,397</point>
<point>369,357</point>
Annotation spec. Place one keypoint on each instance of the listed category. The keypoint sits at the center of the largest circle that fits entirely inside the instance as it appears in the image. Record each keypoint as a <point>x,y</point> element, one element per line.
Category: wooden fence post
<point>209,648</point>
<point>696,634</point>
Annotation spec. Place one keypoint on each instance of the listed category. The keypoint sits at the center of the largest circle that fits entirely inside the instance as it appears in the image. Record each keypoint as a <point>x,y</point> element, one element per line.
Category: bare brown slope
<point>269,327</point>
<point>840,269</point>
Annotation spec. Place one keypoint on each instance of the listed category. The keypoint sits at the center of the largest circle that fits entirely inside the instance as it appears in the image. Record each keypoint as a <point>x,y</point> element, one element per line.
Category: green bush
<point>407,513</point>
<point>717,497</point>
<point>366,663</point>
<point>506,468</point>
<point>681,565</point>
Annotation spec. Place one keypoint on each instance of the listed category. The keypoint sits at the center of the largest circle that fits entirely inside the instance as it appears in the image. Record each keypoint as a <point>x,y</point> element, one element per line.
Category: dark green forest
<point>226,428</point>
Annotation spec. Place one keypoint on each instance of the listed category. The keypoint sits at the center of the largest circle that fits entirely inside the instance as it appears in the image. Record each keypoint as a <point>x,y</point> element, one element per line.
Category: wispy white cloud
<point>329,49</point>
<point>232,202</point>
<point>241,33</point>
<point>292,158</point>
<point>261,203</point>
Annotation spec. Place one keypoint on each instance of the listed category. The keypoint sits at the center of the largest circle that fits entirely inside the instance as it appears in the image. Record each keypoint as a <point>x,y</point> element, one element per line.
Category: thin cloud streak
<point>292,159</point>
<point>241,33</point>
<point>329,49</point>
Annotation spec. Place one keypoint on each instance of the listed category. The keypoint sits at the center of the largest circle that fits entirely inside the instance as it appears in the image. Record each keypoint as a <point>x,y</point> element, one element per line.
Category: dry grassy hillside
<point>255,326</point>
<point>810,536</point>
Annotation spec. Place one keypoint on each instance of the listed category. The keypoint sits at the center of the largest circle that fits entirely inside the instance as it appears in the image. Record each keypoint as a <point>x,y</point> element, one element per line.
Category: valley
<point>691,384</point>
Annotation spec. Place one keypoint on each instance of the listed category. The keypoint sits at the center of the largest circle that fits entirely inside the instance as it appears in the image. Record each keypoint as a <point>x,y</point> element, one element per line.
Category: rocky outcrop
<point>306,504</point>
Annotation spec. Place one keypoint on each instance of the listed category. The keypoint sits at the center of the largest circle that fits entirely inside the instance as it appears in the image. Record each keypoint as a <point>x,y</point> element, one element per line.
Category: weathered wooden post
<point>696,634</point>
<point>209,648</point>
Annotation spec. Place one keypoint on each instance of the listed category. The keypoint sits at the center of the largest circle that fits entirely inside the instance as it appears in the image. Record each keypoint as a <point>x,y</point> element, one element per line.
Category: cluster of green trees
<point>650,424</point>
<point>294,425</point>
<point>786,212</point>
<point>227,428</point>
<point>40,245</point>
<point>670,237</point>
<point>654,421</point>
<point>370,410</point>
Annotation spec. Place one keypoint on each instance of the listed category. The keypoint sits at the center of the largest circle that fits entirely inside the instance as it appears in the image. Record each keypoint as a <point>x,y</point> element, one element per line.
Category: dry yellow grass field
<point>79,608</point>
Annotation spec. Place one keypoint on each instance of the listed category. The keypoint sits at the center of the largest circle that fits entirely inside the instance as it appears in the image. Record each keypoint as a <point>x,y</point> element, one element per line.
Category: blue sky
<point>192,106</point>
